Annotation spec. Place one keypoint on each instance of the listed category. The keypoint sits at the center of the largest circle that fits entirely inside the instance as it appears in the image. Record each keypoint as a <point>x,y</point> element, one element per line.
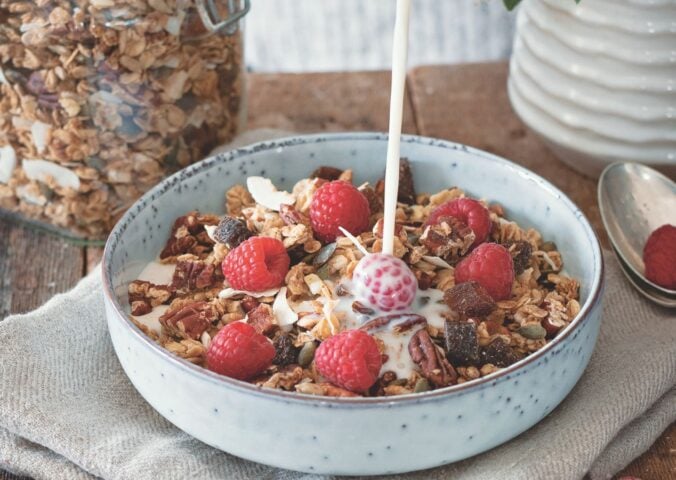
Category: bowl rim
<point>593,299</point>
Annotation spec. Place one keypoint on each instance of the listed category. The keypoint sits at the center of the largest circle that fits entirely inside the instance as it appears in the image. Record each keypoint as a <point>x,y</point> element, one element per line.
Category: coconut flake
<point>231,292</point>
<point>354,240</point>
<point>21,123</point>
<point>28,195</point>
<point>436,261</point>
<point>285,316</point>
<point>265,193</point>
<point>173,25</point>
<point>211,229</point>
<point>40,132</point>
<point>41,170</point>
<point>3,79</point>
<point>7,163</point>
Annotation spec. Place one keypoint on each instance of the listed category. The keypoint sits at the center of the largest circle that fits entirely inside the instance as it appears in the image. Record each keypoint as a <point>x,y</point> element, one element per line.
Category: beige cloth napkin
<point>67,410</point>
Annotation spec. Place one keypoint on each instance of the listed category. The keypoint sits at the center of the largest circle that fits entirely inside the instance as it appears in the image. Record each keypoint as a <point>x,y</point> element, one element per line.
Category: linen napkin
<point>67,410</point>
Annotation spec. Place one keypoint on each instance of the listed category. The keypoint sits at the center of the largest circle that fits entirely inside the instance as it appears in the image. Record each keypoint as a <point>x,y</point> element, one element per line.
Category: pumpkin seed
<point>307,354</point>
<point>533,331</point>
<point>422,385</point>
<point>324,254</point>
<point>323,272</point>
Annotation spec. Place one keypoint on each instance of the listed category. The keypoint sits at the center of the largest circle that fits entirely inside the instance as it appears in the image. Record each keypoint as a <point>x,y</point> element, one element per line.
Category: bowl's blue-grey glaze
<point>368,435</point>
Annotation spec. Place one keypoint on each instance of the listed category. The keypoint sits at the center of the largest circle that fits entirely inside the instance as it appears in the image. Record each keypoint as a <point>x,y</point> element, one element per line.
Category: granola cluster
<point>100,99</point>
<point>456,334</point>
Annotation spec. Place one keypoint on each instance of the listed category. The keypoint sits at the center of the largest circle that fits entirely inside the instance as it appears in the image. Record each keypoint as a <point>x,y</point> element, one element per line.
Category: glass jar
<point>101,99</point>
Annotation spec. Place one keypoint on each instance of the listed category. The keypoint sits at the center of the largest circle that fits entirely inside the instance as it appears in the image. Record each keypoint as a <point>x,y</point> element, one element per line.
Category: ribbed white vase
<point>597,80</point>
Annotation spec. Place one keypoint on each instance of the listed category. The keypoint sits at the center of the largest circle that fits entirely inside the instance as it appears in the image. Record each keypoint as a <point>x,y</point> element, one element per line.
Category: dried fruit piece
<point>375,200</point>
<point>285,352</point>
<point>433,365</point>
<point>498,353</point>
<point>327,173</point>
<point>462,345</point>
<point>469,299</point>
<point>520,252</point>
<point>231,231</point>
<point>406,192</point>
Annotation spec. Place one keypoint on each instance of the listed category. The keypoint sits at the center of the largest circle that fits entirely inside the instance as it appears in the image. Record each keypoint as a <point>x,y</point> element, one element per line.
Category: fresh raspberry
<point>338,204</point>
<point>238,351</point>
<point>258,264</point>
<point>470,212</point>
<point>659,257</point>
<point>385,282</point>
<point>491,265</point>
<point>350,360</point>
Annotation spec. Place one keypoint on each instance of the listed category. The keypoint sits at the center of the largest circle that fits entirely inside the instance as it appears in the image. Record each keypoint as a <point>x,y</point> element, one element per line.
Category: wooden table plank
<point>34,267</point>
<point>469,104</point>
<point>323,102</point>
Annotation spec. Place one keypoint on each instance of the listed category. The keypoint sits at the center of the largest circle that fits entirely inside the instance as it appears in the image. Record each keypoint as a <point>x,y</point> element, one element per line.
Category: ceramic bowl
<point>364,435</point>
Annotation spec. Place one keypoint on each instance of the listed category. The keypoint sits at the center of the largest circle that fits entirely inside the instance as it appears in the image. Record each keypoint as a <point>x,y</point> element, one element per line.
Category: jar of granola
<point>100,99</point>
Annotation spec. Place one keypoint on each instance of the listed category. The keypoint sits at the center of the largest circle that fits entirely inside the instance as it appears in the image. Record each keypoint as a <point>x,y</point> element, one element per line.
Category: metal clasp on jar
<point>214,22</point>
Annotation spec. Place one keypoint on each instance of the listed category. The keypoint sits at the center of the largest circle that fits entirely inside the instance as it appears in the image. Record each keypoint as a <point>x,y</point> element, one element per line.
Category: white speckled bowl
<point>368,435</point>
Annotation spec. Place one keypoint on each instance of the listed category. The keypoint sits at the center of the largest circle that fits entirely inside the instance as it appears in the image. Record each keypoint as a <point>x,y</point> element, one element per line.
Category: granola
<point>100,99</point>
<point>454,332</point>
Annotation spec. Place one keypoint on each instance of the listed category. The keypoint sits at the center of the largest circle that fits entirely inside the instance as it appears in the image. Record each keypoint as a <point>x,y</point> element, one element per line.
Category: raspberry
<point>470,212</point>
<point>385,282</point>
<point>258,264</point>
<point>338,204</point>
<point>491,265</point>
<point>238,351</point>
<point>350,360</point>
<point>659,257</point>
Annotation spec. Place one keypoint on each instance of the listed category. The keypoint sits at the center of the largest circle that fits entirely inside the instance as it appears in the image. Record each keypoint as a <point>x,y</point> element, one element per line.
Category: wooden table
<point>465,103</point>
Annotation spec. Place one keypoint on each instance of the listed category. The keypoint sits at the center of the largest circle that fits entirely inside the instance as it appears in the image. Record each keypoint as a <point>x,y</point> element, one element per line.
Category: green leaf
<point>511,4</point>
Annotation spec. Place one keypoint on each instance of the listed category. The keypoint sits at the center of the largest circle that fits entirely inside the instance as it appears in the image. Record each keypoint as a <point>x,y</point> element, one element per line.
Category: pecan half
<point>433,364</point>
<point>189,236</point>
<point>469,299</point>
<point>190,320</point>
<point>143,296</point>
<point>262,319</point>
<point>403,320</point>
<point>190,276</point>
<point>291,216</point>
